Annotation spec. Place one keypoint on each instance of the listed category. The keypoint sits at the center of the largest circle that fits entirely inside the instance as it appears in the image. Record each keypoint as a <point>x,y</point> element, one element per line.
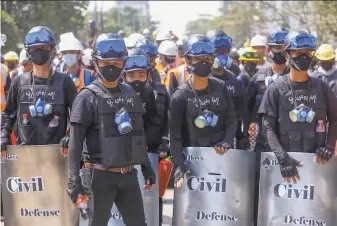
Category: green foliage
<point>11,30</point>
<point>199,26</point>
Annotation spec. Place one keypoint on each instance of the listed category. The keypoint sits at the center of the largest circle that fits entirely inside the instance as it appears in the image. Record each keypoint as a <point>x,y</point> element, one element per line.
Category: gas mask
<point>302,114</point>
<point>270,79</point>
<point>123,121</point>
<point>206,118</point>
<point>40,108</point>
<point>76,80</point>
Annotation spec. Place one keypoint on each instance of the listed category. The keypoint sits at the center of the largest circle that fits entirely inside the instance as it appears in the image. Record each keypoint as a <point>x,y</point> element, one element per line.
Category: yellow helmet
<point>246,44</point>
<point>154,33</point>
<point>249,54</point>
<point>325,52</point>
<point>11,56</point>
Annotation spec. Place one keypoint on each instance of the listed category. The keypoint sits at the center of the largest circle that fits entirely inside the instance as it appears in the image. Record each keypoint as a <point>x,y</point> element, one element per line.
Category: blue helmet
<point>150,49</point>
<point>277,38</point>
<point>93,22</point>
<point>296,40</point>
<point>39,35</point>
<point>219,39</point>
<point>110,47</point>
<point>198,45</point>
<point>137,60</point>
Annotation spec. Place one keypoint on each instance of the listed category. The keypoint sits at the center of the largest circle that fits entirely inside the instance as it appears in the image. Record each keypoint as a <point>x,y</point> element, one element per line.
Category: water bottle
<point>320,132</point>
<point>82,203</point>
<point>54,122</point>
<point>25,119</point>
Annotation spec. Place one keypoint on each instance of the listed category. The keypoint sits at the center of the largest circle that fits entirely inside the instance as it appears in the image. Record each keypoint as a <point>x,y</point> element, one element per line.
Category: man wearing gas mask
<point>41,119</point>
<point>223,45</point>
<point>71,50</point>
<point>297,110</point>
<point>326,71</point>
<point>201,109</point>
<point>156,103</point>
<point>152,52</point>
<point>107,115</point>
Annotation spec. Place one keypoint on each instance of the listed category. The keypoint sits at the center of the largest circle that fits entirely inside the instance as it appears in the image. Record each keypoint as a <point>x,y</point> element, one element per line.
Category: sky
<point>173,15</point>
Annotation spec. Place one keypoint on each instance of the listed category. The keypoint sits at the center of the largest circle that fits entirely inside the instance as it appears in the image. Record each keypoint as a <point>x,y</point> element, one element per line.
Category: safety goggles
<point>149,49</point>
<point>251,55</point>
<point>201,48</point>
<point>41,37</point>
<point>278,37</point>
<point>303,41</point>
<point>222,42</point>
<point>136,62</point>
<point>110,49</point>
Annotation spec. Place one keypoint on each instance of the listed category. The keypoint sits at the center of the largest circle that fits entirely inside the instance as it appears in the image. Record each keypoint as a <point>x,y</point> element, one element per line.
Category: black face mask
<point>279,58</point>
<point>202,69</point>
<point>250,68</point>
<point>40,56</point>
<point>301,62</point>
<point>110,73</point>
<point>327,66</point>
<point>137,85</point>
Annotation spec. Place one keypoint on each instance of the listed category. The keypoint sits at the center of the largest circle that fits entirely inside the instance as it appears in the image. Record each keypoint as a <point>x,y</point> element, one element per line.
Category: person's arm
<point>165,128</point>
<point>77,137</point>
<point>250,94</point>
<point>231,123</point>
<point>331,103</point>
<point>177,112</point>
<point>173,84</point>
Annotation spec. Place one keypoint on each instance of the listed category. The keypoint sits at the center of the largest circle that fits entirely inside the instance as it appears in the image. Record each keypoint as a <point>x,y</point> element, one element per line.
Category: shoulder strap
<point>229,63</point>
<point>87,77</point>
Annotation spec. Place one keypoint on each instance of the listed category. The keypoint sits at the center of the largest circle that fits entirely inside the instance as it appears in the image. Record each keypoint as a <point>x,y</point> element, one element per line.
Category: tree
<point>11,30</point>
<point>199,26</point>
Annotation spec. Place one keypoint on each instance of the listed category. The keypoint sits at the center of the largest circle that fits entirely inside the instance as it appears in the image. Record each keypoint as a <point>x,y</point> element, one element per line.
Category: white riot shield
<point>150,198</point>
<point>219,191</point>
<point>34,182</point>
<point>312,201</point>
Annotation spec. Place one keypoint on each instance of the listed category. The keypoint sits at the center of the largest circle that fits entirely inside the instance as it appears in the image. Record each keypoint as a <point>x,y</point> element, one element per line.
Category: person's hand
<point>179,177</point>
<point>4,142</point>
<point>75,188</point>
<point>163,149</point>
<point>149,178</point>
<point>222,147</point>
<point>64,146</point>
<point>288,167</point>
<point>323,155</point>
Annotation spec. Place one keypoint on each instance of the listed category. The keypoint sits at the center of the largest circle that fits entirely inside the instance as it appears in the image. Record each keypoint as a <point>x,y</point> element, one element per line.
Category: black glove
<point>324,153</point>
<point>164,146</point>
<point>148,174</point>
<point>65,142</point>
<point>4,142</point>
<point>75,188</point>
<point>288,166</point>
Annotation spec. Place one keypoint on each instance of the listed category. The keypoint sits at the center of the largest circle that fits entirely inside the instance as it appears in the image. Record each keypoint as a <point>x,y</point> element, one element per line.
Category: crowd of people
<point>172,84</point>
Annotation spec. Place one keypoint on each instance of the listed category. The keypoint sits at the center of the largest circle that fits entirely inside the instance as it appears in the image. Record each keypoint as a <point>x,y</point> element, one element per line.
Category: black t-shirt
<point>93,32</point>
<point>235,69</point>
<point>149,103</point>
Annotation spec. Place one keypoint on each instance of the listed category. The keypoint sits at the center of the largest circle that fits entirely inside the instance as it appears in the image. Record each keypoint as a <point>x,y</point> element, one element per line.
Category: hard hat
<point>3,39</point>
<point>69,42</point>
<point>116,50</point>
<point>39,35</point>
<point>86,57</point>
<point>163,35</point>
<point>23,56</point>
<point>246,44</point>
<point>168,48</point>
<point>234,55</point>
<point>277,38</point>
<point>92,22</point>
<point>212,34</point>
<point>155,33</point>
<point>146,31</point>
<point>325,52</point>
<point>296,40</point>
<point>11,56</point>
<point>185,38</point>
<point>139,39</point>
<point>249,54</point>
<point>258,40</point>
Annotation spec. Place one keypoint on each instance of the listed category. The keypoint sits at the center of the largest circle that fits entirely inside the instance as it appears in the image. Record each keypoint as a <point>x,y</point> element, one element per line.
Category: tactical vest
<point>215,101</point>
<point>261,88</point>
<point>120,150</point>
<point>38,131</point>
<point>301,136</point>
<point>234,89</point>
<point>331,80</point>
<point>154,130</point>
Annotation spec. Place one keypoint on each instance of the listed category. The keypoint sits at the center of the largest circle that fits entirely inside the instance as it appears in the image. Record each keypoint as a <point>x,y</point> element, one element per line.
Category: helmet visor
<point>136,62</point>
<point>222,42</point>
<point>201,48</point>
<point>149,49</point>
<point>278,37</point>
<point>38,38</point>
<point>111,49</point>
<point>251,55</point>
<point>302,42</point>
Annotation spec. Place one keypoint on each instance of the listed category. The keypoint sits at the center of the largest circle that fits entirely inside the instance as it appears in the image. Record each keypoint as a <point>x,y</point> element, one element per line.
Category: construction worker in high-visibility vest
<point>168,51</point>
<point>4,74</point>
<point>161,36</point>
<point>72,50</point>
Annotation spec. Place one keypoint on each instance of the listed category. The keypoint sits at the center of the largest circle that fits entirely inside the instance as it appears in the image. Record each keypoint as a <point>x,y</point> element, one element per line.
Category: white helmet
<point>3,39</point>
<point>69,42</point>
<point>139,39</point>
<point>258,40</point>
<point>163,36</point>
<point>86,57</point>
<point>168,48</point>
<point>146,31</point>
<point>23,56</point>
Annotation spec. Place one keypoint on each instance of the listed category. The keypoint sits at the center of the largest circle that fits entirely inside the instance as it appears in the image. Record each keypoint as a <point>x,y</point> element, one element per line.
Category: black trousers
<point>160,211</point>
<point>122,189</point>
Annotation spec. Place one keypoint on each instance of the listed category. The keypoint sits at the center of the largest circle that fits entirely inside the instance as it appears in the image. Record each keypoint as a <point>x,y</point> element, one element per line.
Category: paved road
<point>167,211</point>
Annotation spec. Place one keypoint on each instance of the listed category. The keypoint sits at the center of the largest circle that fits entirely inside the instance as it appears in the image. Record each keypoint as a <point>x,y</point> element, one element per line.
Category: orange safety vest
<point>179,61</point>
<point>81,78</point>
<point>159,67</point>
<point>180,73</point>
<point>4,74</point>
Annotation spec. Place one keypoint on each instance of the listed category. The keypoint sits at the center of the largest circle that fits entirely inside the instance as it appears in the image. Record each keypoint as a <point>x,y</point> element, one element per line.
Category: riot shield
<point>218,191</point>
<point>150,198</point>
<point>34,182</point>
<point>312,201</point>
